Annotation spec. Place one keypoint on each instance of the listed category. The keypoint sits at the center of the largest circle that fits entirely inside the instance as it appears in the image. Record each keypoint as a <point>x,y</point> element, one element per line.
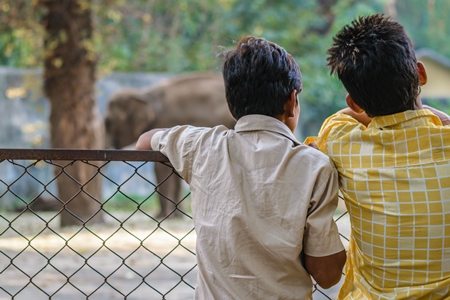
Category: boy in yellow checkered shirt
<point>393,159</point>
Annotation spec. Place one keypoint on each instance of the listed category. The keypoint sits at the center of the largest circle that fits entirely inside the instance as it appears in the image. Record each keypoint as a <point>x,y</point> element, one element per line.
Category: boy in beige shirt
<point>262,202</point>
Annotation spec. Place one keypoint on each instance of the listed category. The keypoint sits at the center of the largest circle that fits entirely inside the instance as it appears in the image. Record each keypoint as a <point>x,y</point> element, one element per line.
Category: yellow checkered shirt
<point>395,179</point>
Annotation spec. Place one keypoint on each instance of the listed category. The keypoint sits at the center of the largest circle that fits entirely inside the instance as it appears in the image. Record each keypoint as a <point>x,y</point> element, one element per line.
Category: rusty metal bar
<point>82,154</point>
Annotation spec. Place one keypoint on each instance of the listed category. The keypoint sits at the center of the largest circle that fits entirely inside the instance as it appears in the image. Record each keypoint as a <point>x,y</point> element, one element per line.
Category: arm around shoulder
<point>144,141</point>
<point>326,270</point>
<point>445,119</point>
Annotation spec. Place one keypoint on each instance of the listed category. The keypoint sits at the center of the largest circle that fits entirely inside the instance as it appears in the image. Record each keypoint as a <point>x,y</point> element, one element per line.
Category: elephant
<point>196,99</point>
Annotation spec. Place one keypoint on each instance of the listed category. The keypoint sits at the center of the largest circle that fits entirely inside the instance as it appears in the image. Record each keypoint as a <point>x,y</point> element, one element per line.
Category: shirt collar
<point>265,123</point>
<point>409,118</point>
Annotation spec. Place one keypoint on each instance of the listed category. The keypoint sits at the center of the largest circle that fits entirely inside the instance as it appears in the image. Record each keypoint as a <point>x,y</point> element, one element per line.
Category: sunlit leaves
<point>19,33</point>
<point>114,15</point>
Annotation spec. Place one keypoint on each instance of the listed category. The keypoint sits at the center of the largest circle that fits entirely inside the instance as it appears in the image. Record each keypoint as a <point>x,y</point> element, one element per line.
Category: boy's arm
<point>176,143</point>
<point>364,119</point>
<point>144,141</point>
<point>327,270</point>
<point>324,254</point>
<point>445,119</point>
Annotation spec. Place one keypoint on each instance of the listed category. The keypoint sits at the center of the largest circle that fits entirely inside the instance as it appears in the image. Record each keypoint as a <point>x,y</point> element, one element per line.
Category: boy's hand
<point>313,145</point>
<point>362,118</point>
<point>326,270</point>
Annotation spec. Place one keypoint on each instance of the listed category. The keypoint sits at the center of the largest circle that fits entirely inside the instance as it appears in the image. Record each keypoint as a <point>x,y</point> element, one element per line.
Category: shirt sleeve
<point>176,143</point>
<point>321,233</point>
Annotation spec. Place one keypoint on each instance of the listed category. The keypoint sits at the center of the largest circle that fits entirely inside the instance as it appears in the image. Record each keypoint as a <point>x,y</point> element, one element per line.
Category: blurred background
<point>61,60</point>
<point>167,37</point>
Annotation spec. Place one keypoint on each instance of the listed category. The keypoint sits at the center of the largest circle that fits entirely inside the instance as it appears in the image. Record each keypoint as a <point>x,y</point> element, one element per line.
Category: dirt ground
<point>138,260</point>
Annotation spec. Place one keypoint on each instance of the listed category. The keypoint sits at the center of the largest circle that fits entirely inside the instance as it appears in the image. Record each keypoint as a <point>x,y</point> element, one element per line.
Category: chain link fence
<point>127,253</point>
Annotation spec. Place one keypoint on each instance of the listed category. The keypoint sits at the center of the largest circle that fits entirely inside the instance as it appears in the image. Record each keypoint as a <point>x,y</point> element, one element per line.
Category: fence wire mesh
<point>123,249</point>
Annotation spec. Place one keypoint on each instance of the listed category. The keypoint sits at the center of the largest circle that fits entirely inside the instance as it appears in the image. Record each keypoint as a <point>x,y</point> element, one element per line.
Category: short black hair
<point>375,60</point>
<point>259,76</point>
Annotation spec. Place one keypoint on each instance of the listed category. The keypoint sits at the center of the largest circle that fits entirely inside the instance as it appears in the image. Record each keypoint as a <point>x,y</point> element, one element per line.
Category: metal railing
<point>127,253</point>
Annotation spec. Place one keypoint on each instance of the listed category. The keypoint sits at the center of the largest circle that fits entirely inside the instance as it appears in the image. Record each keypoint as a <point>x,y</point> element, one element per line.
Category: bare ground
<point>139,260</point>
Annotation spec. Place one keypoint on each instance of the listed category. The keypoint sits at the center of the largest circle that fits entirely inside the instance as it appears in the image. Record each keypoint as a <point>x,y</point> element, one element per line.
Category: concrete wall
<point>438,70</point>
<point>438,85</point>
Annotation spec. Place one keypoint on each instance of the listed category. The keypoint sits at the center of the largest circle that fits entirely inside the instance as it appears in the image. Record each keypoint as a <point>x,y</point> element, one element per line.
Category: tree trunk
<point>69,84</point>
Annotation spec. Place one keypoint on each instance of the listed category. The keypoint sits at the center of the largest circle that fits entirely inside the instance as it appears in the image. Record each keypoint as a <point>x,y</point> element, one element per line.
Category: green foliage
<point>427,23</point>
<point>20,34</point>
<point>159,36</point>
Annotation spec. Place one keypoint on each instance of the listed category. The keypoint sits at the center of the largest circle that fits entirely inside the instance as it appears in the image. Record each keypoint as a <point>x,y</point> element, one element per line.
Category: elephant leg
<point>162,172</point>
<point>169,186</point>
<point>176,189</point>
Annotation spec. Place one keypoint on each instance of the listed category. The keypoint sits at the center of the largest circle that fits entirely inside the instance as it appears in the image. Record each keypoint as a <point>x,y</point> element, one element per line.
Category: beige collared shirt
<point>259,198</point>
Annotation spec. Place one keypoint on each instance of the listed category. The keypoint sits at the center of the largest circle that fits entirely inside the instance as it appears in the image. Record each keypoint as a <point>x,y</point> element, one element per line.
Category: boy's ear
<point>353,106</point>
<point>423,77</point>
<point>291,104</point>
